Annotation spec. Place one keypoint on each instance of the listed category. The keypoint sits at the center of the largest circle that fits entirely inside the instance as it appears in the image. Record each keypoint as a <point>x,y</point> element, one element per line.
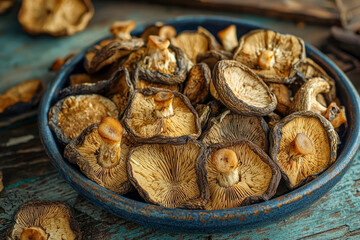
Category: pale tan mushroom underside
<point>255,177</point>
<point>298,167</point>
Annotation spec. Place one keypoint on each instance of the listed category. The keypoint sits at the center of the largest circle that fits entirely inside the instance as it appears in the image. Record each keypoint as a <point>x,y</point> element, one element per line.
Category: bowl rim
<point>203,217</point>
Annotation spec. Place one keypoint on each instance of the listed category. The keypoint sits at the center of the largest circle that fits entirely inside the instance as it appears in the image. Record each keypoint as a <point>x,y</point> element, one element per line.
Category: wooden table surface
<point>28,173</point>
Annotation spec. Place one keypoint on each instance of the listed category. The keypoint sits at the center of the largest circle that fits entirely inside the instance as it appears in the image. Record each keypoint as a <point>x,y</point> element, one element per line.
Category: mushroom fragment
<point>159,29</point>
<point>229,127</point>
<point>212,57</point>
<point>241,90</point>
<point>161,116</point>
<point>71,115</point>
<point>57,18</point>
<point>336,115</point>
<point>45,220</point>
<point>197,85</point>
<point>271,55</point>
<point>22,97</point>
<point>240,173</point>
<point>100,152</point>
<point>168,175</point>
<point>1,181</point>
<point>59,62</point>
<point>283,95</point>
<point>204,112</point>
<point>121,29</point>
<point>6,5</point>
<point>305,98</point>
<point>229,38</point>
<point>303,144</point>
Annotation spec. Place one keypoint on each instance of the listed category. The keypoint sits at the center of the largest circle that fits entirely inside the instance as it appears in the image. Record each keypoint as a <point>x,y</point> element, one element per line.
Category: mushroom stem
<point>228,38</point>
<point>33,233</point>
<point>226,162</point>
<point>302,144</point>
<point>121,29</point>
<point>110,131</point>
<point>266,59</point>
<point>163,104</point>
<point>158,56</point>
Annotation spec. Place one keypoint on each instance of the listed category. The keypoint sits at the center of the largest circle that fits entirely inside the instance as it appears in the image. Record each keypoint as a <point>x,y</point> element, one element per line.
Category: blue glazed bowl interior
<point>200,221</point>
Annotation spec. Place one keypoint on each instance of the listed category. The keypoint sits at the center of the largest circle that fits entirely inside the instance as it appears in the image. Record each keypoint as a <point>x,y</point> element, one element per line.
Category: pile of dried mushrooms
<point>190,122</point>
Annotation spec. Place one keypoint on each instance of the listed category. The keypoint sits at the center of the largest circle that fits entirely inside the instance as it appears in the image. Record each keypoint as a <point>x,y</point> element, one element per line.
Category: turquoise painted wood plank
<point>335,216</point>
<point>23,57</point>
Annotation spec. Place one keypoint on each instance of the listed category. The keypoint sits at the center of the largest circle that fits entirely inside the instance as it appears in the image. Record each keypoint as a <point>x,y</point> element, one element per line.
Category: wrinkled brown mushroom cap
<point>257,177</point>
<point>21,97</point>
<point>229,127</point>
<point>197,85</point>
<point>57,18</point>
<point>111,52</point>
<point>55,218</point>
<point>172,176</point>
<point>298,168</point>
<point>71,115</point>
<point>283,97</point>
<point>144,125</point>
<point>140,83</point>
<point>101,161</point>
<point>212,57</point>
<point>287,53</point>
<point>241,90</point>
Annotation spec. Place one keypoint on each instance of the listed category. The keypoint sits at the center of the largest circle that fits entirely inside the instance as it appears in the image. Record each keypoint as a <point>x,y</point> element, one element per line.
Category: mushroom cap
<point>143,125</point>
<point>21,97</point>
<point>288,52</point>
<point>140,83</point>
<point>229,127</point>
<point>110,53</point>
<point>191,43</point>
<point>204,112</point>
<point>197,85</point>
<point>283,97</point>
<point>258,177</point>
<point>84,152</point>
<point>55,218</point>
<point>298,169</point>
<point>71,115</point>
<point>241,90</point>
<point>57,18</point>
<point>172,176</point>
<point>212,57</point>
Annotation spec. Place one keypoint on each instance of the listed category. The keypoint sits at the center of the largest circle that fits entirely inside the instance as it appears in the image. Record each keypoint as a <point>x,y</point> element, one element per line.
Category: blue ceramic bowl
<point>199,221</point>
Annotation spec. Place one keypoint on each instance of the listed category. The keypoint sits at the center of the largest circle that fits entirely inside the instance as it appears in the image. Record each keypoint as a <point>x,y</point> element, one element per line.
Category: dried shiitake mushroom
<point>212,57</point>
<point>110,53</point>
<point>6,5</point>
<point>121,29</point>
<point>204,112</point>
<point>241,90</point>
<point>118,88</point>
<point>240,173</point>
<point>303,144</point>
<point>283,97</point>
<point>71,115</point>
<point>336,115</point>
<point>158,62</point>
<point>45,220</point>
<point>161,116</point>
<point>140,83</point>
<point>22,97</point>
<point>309,69</point>
<point>197,85</point>
<point>57,18</point>
<point>159,29</point>
<point>229,38</point>
<point>101,151</point>
<point>271,55</point>
<point>229,127</point>
<point>305,98</point>
<point>192,44</point>
<point>172,176</point>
